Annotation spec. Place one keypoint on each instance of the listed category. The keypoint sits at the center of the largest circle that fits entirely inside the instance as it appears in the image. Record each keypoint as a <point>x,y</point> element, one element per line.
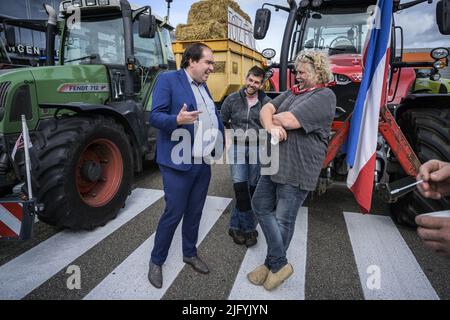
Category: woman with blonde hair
<point>300,119</point>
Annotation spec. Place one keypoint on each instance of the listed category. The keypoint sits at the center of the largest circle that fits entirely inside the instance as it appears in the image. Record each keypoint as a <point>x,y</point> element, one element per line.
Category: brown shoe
<point>258,275</point>
<point>273,280</point>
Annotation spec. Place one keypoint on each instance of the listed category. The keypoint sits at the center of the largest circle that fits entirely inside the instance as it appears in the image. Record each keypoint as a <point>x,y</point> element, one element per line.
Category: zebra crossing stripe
<point>28,271</point>
<point>294,287</point>
<point>129,280</point>
<point>387,268</point>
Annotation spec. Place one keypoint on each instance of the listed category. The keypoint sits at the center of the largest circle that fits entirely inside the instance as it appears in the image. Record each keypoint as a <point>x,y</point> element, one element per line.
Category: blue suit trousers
<point>185,195</point>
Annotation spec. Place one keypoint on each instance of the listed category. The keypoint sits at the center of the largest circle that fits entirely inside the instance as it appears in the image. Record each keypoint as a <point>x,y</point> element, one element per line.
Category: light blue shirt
<point>205,139</point>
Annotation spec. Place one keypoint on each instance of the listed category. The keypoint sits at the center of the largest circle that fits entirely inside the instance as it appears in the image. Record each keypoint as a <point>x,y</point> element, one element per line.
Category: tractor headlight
<point>103,2</point>
<point>435,76</point>
<point>439,64</point>
<point>341,79</point>
<point>77,3</point>
<point>304,3</point>
<point>269,53</point>
<point>439,53</point>
<point>91,2</point>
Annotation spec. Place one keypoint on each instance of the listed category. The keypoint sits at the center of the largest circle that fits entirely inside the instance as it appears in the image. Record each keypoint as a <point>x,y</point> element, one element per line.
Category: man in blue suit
<point>183,107</point>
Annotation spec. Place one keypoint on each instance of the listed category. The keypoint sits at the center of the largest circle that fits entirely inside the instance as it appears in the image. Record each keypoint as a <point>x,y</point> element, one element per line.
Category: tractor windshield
<point>95,41</point>
<point>338,32</point>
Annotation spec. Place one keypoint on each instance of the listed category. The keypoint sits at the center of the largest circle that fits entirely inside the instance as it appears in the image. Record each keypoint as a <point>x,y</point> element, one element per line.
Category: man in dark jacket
<point>240,112</point>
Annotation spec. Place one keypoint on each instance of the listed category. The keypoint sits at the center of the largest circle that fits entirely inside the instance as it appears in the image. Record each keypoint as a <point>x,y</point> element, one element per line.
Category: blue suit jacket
<point>171,91</point>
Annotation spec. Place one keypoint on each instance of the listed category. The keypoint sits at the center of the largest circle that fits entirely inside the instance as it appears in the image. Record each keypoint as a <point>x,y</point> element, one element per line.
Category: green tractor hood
<point>23,90</point>
<point>74,83</point>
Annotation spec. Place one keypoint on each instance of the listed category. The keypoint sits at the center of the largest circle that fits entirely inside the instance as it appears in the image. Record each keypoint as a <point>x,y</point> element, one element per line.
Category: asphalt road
<point>334,255</point>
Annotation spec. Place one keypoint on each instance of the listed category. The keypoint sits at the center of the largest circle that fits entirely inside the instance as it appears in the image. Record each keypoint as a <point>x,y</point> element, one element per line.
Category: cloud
<point>419,27</point>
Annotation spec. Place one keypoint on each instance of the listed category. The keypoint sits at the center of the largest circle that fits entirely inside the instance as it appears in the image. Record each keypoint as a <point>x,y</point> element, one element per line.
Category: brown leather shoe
<point>197,264</point>
<point>258,275</point>
<point>273,280</point>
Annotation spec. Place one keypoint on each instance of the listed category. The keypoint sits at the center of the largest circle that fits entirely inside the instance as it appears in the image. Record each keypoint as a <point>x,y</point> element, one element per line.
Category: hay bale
<point>201,31</point>
<point>208,19</point>
<point>216,10</point>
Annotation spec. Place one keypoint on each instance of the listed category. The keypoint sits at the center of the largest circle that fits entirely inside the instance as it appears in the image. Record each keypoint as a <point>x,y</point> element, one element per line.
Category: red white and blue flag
<point>362,137</point>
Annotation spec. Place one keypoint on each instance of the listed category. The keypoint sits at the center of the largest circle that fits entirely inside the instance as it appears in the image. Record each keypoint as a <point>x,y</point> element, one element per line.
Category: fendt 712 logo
<point>83,87</point>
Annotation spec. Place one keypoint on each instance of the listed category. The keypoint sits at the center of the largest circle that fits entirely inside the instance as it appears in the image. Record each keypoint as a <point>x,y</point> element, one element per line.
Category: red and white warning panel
<point>16,219</point>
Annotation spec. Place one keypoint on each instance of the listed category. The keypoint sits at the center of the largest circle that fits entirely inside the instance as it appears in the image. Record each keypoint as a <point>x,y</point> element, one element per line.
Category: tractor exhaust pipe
<point>50,35</point>
<point>129,53</point>
<point>284,54</point>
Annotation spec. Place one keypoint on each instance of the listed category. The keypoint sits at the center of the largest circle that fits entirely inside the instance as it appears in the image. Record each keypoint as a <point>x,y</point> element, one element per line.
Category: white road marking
<point>129,280</point>
<point>294,286</point>
<point>387,268</point>
<point>25,273</point>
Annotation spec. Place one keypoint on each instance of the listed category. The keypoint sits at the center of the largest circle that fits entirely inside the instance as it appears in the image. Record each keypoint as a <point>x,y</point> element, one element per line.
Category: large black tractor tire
<point>82,171</point>
<point>428,132</point>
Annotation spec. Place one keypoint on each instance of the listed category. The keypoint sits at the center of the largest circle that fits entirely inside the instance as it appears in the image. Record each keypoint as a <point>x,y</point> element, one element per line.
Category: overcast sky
<point>419,22</point>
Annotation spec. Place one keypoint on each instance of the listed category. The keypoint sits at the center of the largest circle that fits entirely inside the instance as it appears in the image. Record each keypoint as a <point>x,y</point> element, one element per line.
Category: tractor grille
<point>21,104</point>
<point>4,87</point>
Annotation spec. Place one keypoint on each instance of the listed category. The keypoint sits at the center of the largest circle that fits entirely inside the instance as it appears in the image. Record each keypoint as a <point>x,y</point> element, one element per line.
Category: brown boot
<point>258,275</point>
<point>273,280</point>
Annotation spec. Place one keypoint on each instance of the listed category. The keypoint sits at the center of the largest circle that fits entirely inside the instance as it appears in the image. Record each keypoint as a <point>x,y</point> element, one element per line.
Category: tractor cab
<point>133,53</point>
<point>341,31</point>
<point>337,31</point>
<point>339,28</point>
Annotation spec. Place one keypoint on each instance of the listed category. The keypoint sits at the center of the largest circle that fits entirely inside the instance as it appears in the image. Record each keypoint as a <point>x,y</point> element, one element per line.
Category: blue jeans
<point>276,206</point>
<point>244,171</point>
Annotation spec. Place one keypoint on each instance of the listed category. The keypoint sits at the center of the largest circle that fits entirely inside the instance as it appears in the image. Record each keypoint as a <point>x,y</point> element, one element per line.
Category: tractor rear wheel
<point>82,167</point>
<point>428,132</point>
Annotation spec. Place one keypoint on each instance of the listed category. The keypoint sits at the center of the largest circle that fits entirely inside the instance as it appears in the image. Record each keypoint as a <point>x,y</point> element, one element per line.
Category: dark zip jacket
<point>235,113</point>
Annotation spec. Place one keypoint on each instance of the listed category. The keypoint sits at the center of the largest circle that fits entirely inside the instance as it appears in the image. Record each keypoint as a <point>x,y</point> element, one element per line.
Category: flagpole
<point>26,143</point>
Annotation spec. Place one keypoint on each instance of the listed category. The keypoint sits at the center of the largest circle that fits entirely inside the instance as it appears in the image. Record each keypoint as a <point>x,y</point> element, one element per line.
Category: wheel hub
<point>91,171</point>
<point>99,172</point>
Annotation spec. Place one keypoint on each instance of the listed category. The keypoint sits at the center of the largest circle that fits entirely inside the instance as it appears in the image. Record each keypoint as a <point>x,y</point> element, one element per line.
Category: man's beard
<point>250,94</point>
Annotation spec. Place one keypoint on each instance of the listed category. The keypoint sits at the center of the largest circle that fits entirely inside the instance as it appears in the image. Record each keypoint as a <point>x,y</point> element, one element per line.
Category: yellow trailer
<point>232,61</point>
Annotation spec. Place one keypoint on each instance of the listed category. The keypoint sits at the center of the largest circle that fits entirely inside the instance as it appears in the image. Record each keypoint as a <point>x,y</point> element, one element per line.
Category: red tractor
<point>413,128</point>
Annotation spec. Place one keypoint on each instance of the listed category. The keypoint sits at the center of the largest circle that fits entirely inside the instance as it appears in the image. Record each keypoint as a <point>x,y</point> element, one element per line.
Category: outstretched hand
<point>187,117</point>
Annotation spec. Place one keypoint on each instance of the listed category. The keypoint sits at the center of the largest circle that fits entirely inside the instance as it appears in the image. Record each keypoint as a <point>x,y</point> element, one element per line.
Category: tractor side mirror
<point>10,36</point>
<point>147,26</point>
<point>443,16</point>
<point>262,21</point>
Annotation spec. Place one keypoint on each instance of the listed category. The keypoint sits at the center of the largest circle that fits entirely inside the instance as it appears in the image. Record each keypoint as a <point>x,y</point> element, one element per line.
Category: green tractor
<point>427,81</point>
<point>87,116</point>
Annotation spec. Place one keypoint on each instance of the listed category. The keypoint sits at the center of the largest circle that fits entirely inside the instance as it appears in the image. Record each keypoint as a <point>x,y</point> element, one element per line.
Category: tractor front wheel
<point>82,167</point>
